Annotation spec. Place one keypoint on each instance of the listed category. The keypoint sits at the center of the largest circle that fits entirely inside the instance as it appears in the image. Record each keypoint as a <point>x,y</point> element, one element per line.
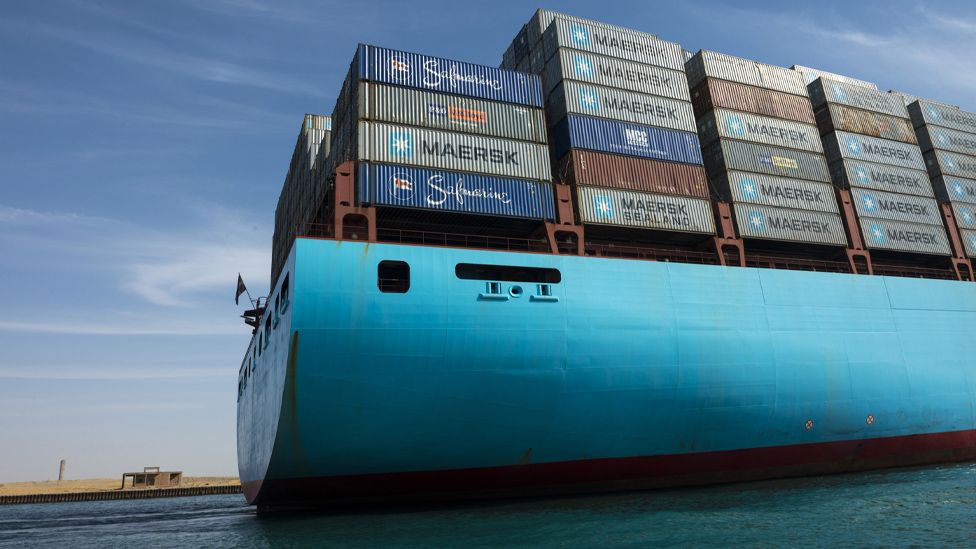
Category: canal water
<point>926,507</point>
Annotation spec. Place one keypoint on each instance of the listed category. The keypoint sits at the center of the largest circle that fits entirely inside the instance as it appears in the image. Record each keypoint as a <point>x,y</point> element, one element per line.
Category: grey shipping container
<point>789,225</point>
<point>969,241</point>
<point>782,192</point>
<point>632,45</point>
<point>759,129</point>
<point>646,210</point>
<point>542,18</point>
<point>954,189</point>
<point>809,75</point>
<point>868,175</point>
<point>626,106</point>
<point>411,107</point>
<point>882,234</point>
<point>597,69</point>
<point>729,154</point>
<point>940,114</point>
<point>946,163</point>
<point>713,93</point>
<point>579,167</point>
<point>840,145</point>
<point>965,215</point>
<point>933,137</point>
<point>849,119</point>
<point>736,69</point>
<point>896,207</point>
<point>453,151</point>
<point>824,90</point>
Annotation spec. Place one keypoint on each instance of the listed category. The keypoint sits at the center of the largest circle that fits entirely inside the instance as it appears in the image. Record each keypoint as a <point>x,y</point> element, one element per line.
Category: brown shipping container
<point>712,93</point>
<point>636,174</point>
<point>849,119</point>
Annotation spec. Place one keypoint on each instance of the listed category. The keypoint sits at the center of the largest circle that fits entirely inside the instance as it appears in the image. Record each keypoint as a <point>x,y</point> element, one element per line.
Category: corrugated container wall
<point>622,74</point>
<point>411,107</point>
<point>823,91</point>
<point>728,154</point>
<point>781,192</point>
<point>622,43</point>
<point>736,69</point>
<point>713,93</point>
<point>722,123</point>
<point>939,114</point>
<point>896,207</point>
<point>969,241</point>
<point>840,145</point>
<point>405,186</point>
<point>542,18</point>
<point>786,224</point>
<point>580,167</point>
<point>880,234</point>
<point>575,98</point>
<point>609,136</point>
<point>965,215</point>
<point>857,173</point>
<point>452,151</point>
<point>955,189</point>
<point>945,163</point>
<point>650,211</point>
<point>933,137</point>
<point>849,119</point>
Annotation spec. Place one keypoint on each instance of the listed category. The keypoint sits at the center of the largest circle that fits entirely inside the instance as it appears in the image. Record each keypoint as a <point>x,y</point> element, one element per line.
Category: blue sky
<point>143,146</point>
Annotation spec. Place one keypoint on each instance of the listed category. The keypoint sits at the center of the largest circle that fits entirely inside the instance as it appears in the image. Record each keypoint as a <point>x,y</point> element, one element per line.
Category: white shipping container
<point>736,69</point>
<point>635,46</point>
<point>789,225</point>
<point>896,207</point>
<point>606,206</point>
<point>782,192</point>
<point>882,234</point>
<point>759,129</point>
<point>572,97</point>
<point>591,68</point>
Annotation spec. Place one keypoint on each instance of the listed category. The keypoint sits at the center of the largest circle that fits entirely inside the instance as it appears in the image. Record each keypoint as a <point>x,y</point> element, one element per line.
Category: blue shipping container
<point>408,187</point>
<point>611,136</point>
<point>445,75</point>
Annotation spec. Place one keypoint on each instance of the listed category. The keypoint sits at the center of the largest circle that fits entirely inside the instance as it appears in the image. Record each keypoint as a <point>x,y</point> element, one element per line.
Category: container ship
<point>609,264</point>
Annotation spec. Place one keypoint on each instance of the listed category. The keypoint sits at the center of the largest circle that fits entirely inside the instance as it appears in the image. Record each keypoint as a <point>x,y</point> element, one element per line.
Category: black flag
<point>241,288</point>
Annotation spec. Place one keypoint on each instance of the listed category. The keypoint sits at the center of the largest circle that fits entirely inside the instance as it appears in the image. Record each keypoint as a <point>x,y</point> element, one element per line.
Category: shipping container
<point>908,99</point>
<point>789,225</point>
<point>955,189</point>
<point>838,117</point>
<point>758,129</point>
<point>452,151</point>
<point>623,44</point>
<point>840,145</point>
<point>605,206</point>
<point>409,187</point>
<point>896,207</point>
<point>542,18</point>
<point>882,234</point>
<point>781,192</point>
<point>571,97</point>
<point>537,61</point>
<point>952,164</point>
<point>729,154</point>
<point>412,107</point>
<point>622,74</point>
<point>965,215</point>
<point>809,75</point>
<point>744,71</point>
<point>581,167</point>
<point>868,175</point>
<point>939,114</point>
<point>609,136</point>
<point>713,93</point>
<point>824,90</point>
<point>933,137</point>
<point>445,75</point>
<point>969,241</point>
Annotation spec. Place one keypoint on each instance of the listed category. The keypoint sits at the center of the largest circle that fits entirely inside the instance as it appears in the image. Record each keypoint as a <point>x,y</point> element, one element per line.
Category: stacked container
<point>762,150</point>
<point>443,135</point>
<point>303,190</point>
<point>947,136</point>
<point>873,151</point>
<point>621,123</point>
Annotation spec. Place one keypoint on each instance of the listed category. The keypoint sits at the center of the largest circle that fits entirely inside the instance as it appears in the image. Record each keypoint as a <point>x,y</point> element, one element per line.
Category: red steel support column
<point>726,239</point>
<point>565,226</point>
<point>345,200</point>
<point>857,249</point>
<point>960,263</point>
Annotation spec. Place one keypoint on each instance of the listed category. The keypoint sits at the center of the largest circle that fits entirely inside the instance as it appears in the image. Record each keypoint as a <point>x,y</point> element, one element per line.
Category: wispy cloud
<point>147,327</point>
<point>95,373</point>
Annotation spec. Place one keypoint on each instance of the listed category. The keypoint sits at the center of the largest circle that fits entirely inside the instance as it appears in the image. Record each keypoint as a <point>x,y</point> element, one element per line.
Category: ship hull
<point>629,375</point>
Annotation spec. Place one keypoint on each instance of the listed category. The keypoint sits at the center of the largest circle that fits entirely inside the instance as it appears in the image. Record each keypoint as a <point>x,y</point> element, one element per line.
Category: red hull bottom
<point>616,474</point>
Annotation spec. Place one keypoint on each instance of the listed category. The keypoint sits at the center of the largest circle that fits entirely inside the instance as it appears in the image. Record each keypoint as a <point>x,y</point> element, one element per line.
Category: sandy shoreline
<point>97,485</point>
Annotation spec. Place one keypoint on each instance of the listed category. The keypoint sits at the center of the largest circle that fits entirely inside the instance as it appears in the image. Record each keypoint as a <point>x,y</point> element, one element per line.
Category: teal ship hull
<point>624,374</point>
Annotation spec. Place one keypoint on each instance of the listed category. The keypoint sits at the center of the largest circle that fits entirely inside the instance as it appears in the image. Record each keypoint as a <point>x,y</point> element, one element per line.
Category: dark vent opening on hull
<point>508,273</point>
<point>393,277</point>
